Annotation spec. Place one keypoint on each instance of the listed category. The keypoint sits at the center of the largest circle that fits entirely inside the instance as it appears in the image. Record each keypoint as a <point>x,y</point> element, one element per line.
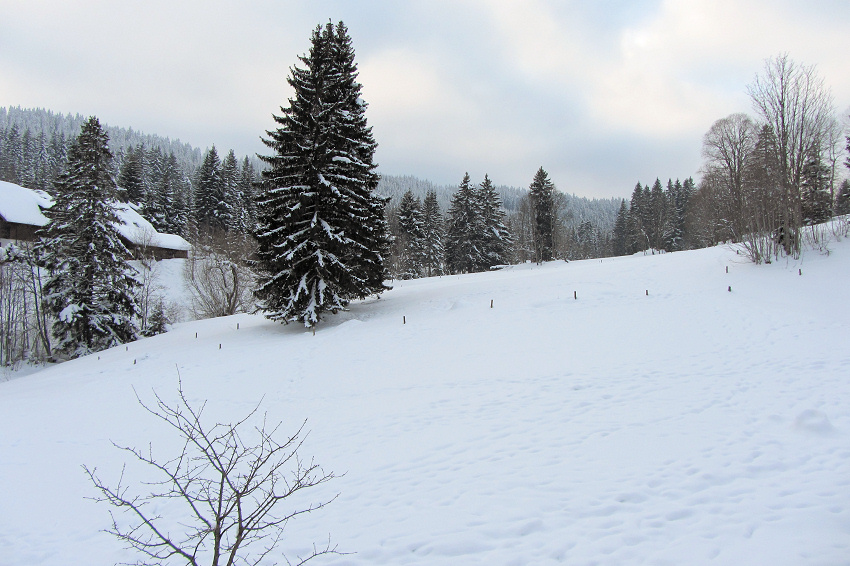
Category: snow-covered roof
<point>24,206</point>
<point>135,228</point>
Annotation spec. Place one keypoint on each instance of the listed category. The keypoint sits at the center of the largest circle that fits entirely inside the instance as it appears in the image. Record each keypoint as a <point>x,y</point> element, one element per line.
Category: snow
<point>23,206</point>
<point>658,418</point>
<point>135,228</point>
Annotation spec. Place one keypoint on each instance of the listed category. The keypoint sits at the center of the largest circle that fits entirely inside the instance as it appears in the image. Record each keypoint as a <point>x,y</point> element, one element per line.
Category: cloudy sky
<point>601,93</point>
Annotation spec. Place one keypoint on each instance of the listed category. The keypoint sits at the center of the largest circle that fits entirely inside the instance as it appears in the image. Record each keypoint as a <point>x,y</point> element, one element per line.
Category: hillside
<point>657,418</point>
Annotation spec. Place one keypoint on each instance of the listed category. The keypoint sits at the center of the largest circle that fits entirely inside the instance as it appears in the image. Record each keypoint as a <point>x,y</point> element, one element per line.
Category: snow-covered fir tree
<point>678,198</point>
<point>542,194</point>
<point>90,287</point>
<point>157,321</point>
<point>231,209</point>
<point>410,243</point>
<point>209,207</point>
<point>620,235</point>
<point>465,231</point>
<point>496,239</point>
<point>131,181</point>
<point>247,180</point>
<point>321,230</point>
<point>432,234</point>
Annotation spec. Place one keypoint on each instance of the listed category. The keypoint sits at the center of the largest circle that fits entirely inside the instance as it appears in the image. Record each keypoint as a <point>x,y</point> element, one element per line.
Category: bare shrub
<point>218,276</point>
<point>232,491</point>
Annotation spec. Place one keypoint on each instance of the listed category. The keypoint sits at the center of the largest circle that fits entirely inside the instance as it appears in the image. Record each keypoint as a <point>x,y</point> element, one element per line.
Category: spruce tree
<point>321,229</point>
<point>674,225</point>
<point>620,235</point>
<point>496,239</point>
<point>209,193</point>
<point>464,234</point>
<point>542,194</point>
<point>638,238</point>
<point>131,176</point>
<point>90,287</point>
<point>247,182</point>
<point>410,244</point>
<point>230,211</point>
<point>816,201</point>
<point>432,233</point>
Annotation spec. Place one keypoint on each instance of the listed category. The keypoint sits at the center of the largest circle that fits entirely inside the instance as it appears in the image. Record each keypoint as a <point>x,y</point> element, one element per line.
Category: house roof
<point>135,228</point>
<point>24,206</point>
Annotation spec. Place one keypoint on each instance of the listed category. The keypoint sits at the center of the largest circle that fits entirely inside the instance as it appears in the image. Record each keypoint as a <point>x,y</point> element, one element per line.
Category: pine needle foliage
<point>90,288</point>
<point>321,230</point>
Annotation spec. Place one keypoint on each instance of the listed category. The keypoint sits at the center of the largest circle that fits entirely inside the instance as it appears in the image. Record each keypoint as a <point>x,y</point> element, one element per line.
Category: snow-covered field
<point>690,425</point>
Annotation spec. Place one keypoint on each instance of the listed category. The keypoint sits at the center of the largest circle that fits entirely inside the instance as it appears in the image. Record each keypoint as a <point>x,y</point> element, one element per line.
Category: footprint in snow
<point>814,422</point>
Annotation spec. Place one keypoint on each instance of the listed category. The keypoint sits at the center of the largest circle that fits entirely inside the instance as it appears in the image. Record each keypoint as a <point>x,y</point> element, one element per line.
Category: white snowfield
<point>690,425</point>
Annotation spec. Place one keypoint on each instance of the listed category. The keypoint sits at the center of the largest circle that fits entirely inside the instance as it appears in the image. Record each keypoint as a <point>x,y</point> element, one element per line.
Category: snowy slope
<point>692,425</point>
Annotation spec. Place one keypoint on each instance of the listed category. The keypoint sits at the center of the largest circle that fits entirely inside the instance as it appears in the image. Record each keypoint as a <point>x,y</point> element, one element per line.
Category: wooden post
<point>134,362</point>
<point>727,269</point>
<point>491,303</point>
<point>647,292</point>
<point>801,271</point>
<point>730,288</point>
<point>219,346</point>
<point>237,326</point>
<point>575,295</point>
<point>404,320</point>
<point>196,334</point>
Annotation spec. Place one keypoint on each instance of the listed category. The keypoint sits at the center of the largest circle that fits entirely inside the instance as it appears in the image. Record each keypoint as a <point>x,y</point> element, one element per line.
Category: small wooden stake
<point>219,346</point>
<point>727,269</point>
<point>134,362</point>
<point>404,320</point>
<point>237,326</point>
<point>647,292</point>
<point>730,288</point>
<point>575,295</point>
<point>491,303</point>
<point>126,348</point>
<point>801,271</point>
<point>196,334</point>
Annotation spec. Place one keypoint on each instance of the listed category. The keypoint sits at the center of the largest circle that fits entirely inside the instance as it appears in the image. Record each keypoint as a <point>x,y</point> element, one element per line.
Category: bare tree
<point>728,147</point>
<point>792,100</point>
<point>24,324</point>
<point>218,276</point>
<point>149,293</point>
<point>231,490</point>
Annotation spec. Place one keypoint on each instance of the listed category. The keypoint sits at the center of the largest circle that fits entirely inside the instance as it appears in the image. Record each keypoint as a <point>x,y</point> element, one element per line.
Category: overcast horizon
<point>601,94</point>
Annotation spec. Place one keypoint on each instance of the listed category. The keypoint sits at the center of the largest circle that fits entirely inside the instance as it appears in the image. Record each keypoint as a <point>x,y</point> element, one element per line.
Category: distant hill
<point>39,120</point>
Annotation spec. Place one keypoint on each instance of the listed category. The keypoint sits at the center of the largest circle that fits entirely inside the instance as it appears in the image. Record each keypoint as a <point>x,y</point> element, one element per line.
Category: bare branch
<point>232,490</point>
